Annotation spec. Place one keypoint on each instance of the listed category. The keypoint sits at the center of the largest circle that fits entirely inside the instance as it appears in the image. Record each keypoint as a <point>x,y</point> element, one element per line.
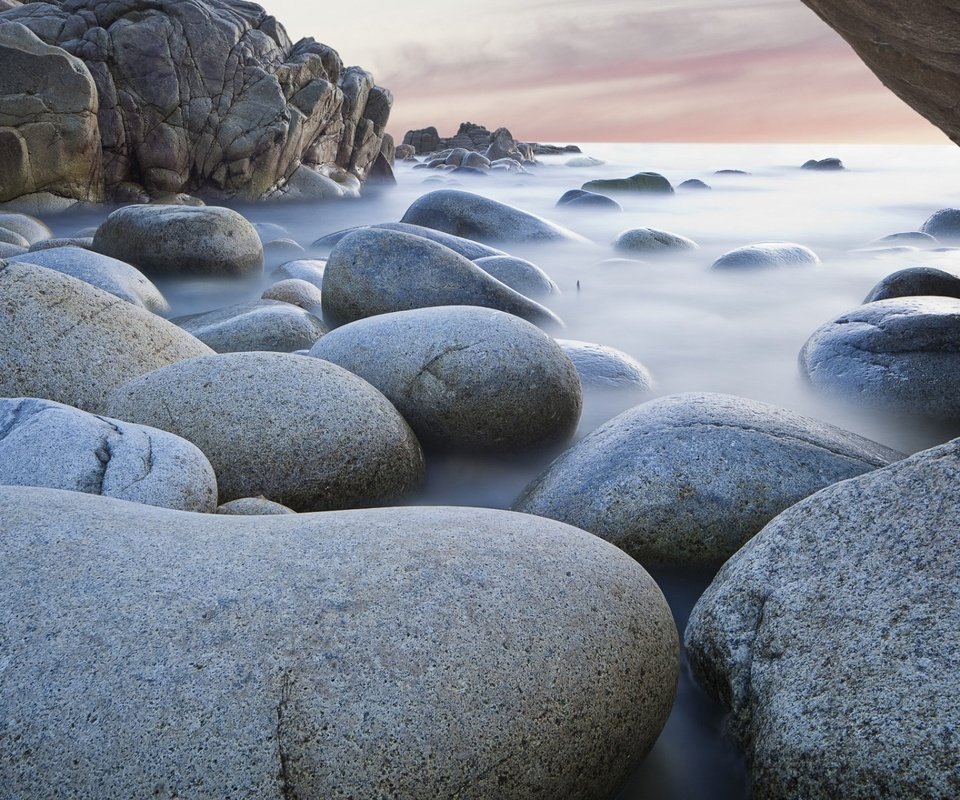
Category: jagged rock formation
<point>913,47</point>
<point>477,138</point>
<point>129,99</point>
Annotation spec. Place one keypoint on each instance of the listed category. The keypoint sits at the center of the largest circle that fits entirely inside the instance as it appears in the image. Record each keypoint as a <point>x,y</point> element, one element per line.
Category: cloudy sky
<point>616,70</point>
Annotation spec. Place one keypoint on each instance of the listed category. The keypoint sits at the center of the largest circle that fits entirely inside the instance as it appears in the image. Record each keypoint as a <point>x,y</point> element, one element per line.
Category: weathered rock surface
<point>912,47</point>
<point>258,325</point>
<point>475,217</point>
<point>765,255</point>
<point>345,634</point>
<point>465,247</point>
<point>644,182</point>
<point>916,281</point>
<point>901,354</point>
<point>30,228</point>
<point>65,340</point>
<point>49,444</point>
<point>832,637</point>
<point>943,225</point>
<point>465,378</point>
<point>206,97</point>
<point>519,274</point>
<point>113,276</point>
<point>602,367</point>
<point>476,138</point>
<point>297,292</point>
<point>253,507</point>
<point>181,240</point>
<point>86,242</point>
<point>375,271</point>
<point>297,430</point>
<point>652,240</point>
<point>690,478</point>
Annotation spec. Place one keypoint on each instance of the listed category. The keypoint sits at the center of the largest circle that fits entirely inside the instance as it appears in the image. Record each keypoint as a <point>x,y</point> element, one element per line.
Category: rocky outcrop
<point>912,47</point>
<point>476,138</point>
<point>138,98</point>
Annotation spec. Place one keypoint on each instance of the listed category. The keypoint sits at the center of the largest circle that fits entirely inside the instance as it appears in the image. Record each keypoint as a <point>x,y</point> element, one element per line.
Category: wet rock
<point>375,271</point>
<point>465,247</point>
<point>824,164</point>
<point>465,378</point>
<point>690,478</point>
<point>519,274</point>
<point>642,182</point>
<point>694,184</point>
<point>475,160</point>
<point>944,225</point>
<point>765,255</point>
<point>299,431</point>
<point>253,507</point>
<point>113,276</point>
<point>901,354</point>
<point>347,634</point>
<point>296,292</point>
<point>181,240</point>
<point>602,367</point>
<point>652,240</point>
<point>503,145</point>
<point>578,198</point>
<point>43,443</point>
<point>68,341</point>
<point>832,638</point>
<point>304,269</point>
<point>258,325</point>
<point>916,281</point>
<point>475,217</point>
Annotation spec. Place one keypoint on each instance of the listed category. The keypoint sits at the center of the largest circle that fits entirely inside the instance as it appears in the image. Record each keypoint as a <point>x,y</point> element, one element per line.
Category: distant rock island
<point>131,100</point>
<point>476,138</point>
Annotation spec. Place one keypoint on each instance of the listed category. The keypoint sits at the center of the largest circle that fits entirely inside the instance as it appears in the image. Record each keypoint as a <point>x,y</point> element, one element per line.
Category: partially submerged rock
<point>519,274</point>
<point>690,478</point>
<point>916,281</point>
<point>465,247</point>
<point>603,367</point>
<point>642,182</point>
<point>43,443</point>
<point>765,255</point>
<point>521,656</point>
<point>832,638</point>
<point>272,325</point>
<point>651,241</point>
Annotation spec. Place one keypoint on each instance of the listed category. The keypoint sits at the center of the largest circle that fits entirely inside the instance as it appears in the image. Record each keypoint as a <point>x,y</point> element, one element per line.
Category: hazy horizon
<point>621,71</point>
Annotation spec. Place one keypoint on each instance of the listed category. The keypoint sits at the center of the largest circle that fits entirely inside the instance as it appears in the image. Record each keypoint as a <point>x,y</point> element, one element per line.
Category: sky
<point>616,70</point>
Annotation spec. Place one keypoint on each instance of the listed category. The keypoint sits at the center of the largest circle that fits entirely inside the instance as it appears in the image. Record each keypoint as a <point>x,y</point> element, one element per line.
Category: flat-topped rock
<point>344,632</point>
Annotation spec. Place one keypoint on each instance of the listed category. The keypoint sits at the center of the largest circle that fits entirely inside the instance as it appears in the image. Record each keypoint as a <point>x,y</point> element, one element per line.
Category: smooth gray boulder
<point>943,225</point>
<point>918,238</point>
<point>253,507</point>
<point>14,238</point>
<point>113,276</point>
<point>257,325</point>
<point>297,430</point>
<point>86,242</point>
<point>916,281</point>
<point>30,228</point>
<point>694,185</point>
<point>11,250</point>
<point>374,271</point>
<point>834,640</point>
<point>65,340</point>
<point>465,247</point>
<point>579,199</point>
<point>475,217</point>
<point>602,367</point>
<point>43,443</point>
<point>652,240</point>
<point>642,183</point>
<point>297,292</point>
<point>519,274</point>
<point>181,240</point>
<point>304,269</point>
<point>465,378</point>
<point>901,355</point>
<point>765,255</point>
<point>392,653</point>
<point>690,478</point>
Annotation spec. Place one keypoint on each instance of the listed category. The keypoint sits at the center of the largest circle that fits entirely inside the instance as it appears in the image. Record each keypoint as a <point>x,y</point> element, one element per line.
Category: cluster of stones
<point>130,101</point>
<point>477,139</point>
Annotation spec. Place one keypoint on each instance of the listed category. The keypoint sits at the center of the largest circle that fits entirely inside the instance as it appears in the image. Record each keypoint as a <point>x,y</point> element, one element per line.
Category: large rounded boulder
<point>374,271</point>
<point>766,255</point>
<point>299,431</point>
<point>62,339</point>
<point>832,638</point>
<point>901,355</point>
<point>689,478</point>
<point>259,325</point>
<point>49,444</point>
<point>476,217</point>
<point>181,240</point>
<point>914,281</point>
<point>392,653</point>
<point>465,378</point>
